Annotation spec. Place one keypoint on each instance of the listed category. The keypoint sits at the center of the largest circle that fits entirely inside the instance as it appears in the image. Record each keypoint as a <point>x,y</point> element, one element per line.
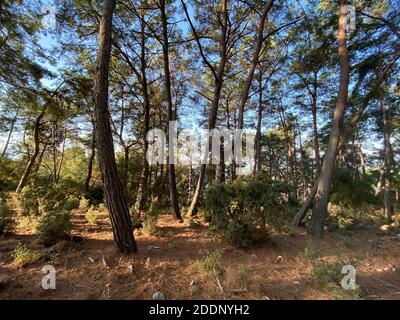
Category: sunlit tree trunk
<point>113,191</point>
<point>10,132</point>
<point>322,193</point>
<point>387,197</point>
<point>144,177</point>
<point>31,162</point>
<point>212,117</point>
<point>171,114</point>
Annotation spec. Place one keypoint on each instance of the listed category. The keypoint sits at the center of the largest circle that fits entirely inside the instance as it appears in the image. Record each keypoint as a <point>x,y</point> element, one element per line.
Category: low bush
<point>84,204</point>
<point>328,275</point>
<point>92,215</point>
<point>240,209</point>
<point>23,256</point>
<point>42,195</point>
<point>354,194</point>
<point>209,263</point>
<point>71,203</point>
<point>150,226</point>
<point>53,226</point>
<point>6,221</point>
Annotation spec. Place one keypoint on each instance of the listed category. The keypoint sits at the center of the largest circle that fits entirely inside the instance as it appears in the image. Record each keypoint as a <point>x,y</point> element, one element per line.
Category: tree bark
<point>14,120</point>
<point>144,177</point>
<point>253,66</point>
<point>257,154</point>
<point>89,171</point>
<point>212,116</point>
<point>171,114</point>
<point>114,195</point>
<point>315,130</point>
<point>322,195</point>
<point>31,162</point>
<point>362,159</point>
<point>387,197</point>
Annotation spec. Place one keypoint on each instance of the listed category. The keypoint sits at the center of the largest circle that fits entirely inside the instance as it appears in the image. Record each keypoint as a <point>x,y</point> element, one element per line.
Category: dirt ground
<point>94,269</point>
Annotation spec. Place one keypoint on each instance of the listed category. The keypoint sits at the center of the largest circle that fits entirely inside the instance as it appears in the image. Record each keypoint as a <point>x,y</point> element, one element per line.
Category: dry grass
<point>94,269</point>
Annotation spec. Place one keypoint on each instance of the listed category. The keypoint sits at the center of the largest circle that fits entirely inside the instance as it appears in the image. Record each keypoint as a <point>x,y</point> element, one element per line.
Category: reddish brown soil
<point>243,274</point>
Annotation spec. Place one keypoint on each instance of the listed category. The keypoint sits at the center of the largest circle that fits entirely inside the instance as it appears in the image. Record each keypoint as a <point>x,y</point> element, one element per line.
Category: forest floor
<point>279,269</point>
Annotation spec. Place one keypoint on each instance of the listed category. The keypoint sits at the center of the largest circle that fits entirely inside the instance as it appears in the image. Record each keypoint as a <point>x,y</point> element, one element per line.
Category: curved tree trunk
<point>212,116</point>
<point>144,177</point>
<point>387,196</point>
<point>256,56</point>
<point>89,171</point>
<point>315,133</point>
<point>31,162</point>
<point>14,120</point>
<point>324,182</point>
<point>114,195</point>
<point>171,114</point>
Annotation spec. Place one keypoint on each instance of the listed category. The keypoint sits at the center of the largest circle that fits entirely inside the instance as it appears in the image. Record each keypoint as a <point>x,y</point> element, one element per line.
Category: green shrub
<point>53,226</point>
<point>150,226</point>
<point>9,173</point>
<point>92,215</point>
<point>71,203</point>
<point>102,207</point>
<point>328,275</point>
<point>84,204</point>
<point>42,195</point>
<point>23,256</point>
<point>6,221</point>
<point>355,194</point>
<point>240,209</point>
<point>209,263</point>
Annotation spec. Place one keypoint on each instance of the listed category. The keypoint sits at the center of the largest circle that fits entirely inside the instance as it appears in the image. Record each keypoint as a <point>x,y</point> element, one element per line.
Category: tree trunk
<point>40,159</point>
<point>220,169</point>
<point>125,178</point>
<point>301,214</point>
<point>257,154</point>
<point>256,56</point>
<point>362,159</point>
<point>114,195</point>
<point>144,177</point>
<point>167,79</point>
<point>212,116</point>
<point>322,194</point>
<point>387,197</point>
<point>14,120</point>
<point>90,164</point>
<point>31,162</point>
<point>315,133</point>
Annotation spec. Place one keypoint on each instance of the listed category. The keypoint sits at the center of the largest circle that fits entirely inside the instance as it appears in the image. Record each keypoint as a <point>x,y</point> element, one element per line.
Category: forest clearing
<point>281,268</point>
<point>199,150</point>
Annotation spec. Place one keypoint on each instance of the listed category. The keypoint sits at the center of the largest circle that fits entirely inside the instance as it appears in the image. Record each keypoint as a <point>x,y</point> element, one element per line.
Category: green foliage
<point>71,203</point>
<point>209,263</point>
<point>240,209</point>
<point>92,215</point>
<point>41,195</point>
<point>6,221</point>
<point>84,204</point>
<point>150,226</point>
<point>355,194</point>
<point>53,226</point>
<point>328,275</point>
<point>23,256</point>
<point>8,174</point>
<point>311,251</point>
